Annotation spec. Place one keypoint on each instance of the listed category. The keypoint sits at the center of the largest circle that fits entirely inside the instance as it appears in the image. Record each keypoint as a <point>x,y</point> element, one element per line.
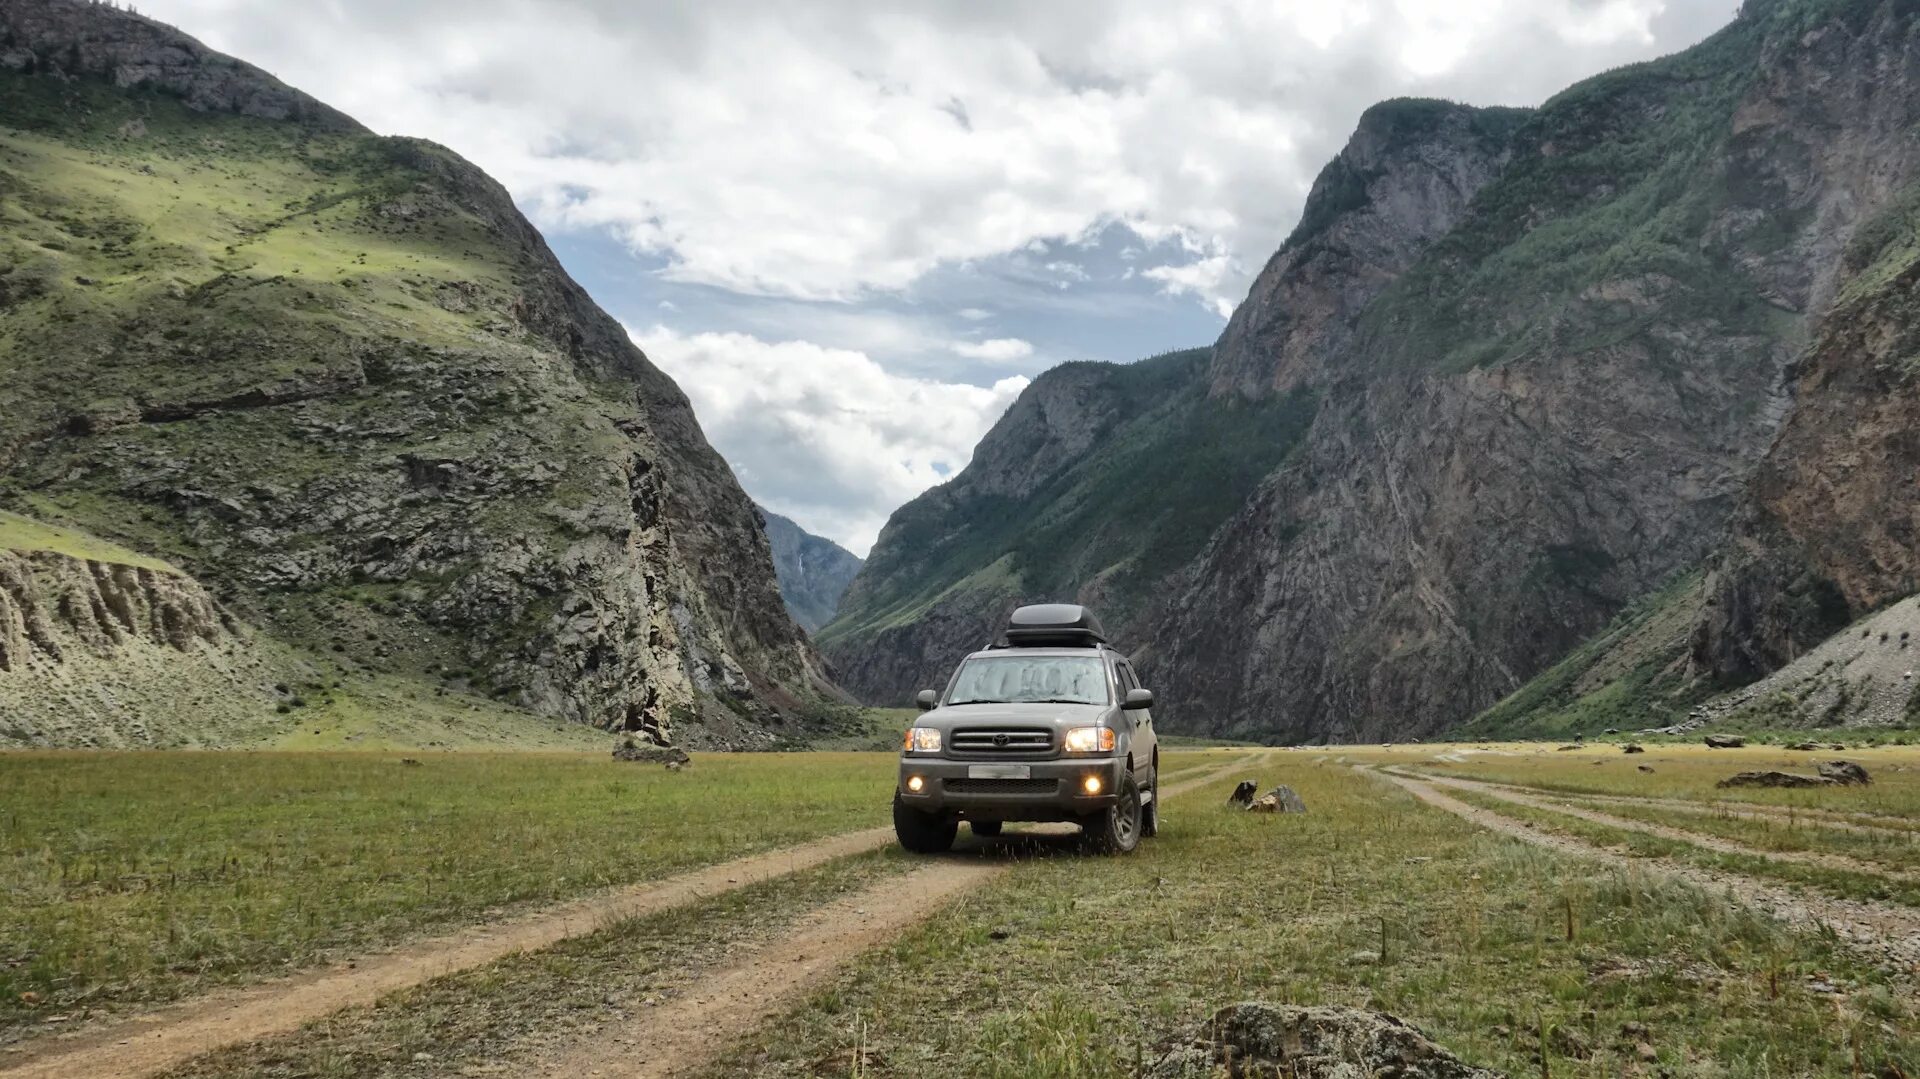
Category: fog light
<point>1092,784</point>
<point>914,783</point>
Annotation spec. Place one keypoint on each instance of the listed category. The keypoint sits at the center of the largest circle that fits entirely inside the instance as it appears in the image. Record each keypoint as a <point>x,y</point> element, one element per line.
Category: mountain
<point>1099,479</point>
<point>1541,357</point>
<point>339,381</point>
<point>813,571</point>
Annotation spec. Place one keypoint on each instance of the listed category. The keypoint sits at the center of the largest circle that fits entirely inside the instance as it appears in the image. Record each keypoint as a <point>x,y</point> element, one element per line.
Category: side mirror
<point>1138,699</point>
<point>927,699</point>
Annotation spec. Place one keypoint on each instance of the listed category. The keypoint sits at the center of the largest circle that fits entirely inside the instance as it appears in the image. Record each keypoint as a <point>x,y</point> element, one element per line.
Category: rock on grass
<point>1255,1039</point>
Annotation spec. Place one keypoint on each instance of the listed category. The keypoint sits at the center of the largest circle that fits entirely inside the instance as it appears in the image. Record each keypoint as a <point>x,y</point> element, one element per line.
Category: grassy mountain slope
<point>343,382</point>
<point>1102,479</point>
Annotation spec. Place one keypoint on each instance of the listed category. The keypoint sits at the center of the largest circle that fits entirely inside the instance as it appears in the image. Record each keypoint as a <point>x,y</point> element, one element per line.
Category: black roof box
<point>1054,625</point>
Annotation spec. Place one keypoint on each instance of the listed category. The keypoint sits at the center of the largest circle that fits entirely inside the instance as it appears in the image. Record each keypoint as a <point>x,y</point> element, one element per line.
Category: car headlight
<point>923,740</point>
<point>1090,740</point>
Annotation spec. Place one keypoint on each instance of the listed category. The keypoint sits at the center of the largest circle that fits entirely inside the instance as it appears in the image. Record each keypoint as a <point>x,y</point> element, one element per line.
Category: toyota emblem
<point>999,739</point>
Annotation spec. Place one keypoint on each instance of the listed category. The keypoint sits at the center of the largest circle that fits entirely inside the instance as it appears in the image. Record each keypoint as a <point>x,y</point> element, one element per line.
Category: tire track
<point>1717,844</point>
<point>165,1037</point>
<point>1837,819</point>
<point>1887,936</point>
<point>711,1014</point>
<point>145,1044</point>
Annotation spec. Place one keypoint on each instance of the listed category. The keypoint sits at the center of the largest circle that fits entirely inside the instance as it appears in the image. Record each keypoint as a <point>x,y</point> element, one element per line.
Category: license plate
<point>999,771</point>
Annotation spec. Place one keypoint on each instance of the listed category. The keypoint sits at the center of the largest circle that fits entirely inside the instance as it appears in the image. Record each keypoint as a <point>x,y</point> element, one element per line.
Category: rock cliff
<point>813,571</point>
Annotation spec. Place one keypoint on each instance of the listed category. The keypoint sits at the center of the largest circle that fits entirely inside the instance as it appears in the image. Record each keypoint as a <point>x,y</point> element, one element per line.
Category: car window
<point>1012,679</point>
<point>1127,680</point>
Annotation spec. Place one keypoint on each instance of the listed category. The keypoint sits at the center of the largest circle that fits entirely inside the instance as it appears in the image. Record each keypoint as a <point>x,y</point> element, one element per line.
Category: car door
<point>1143,736</point>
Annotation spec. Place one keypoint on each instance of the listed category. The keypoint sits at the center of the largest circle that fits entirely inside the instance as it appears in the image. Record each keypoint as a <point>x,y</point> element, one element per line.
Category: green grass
<point>19,533</point>
<point>137,877</point>
<point>1077,968</point>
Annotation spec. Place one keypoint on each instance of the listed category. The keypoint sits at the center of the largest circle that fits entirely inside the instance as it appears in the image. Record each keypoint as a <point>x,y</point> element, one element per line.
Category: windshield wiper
<point>1057,700</point>
<point>950,704</point>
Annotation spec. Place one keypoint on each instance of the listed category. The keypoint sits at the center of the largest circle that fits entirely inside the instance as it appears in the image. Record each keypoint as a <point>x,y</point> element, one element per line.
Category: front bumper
<point>1053,791</point>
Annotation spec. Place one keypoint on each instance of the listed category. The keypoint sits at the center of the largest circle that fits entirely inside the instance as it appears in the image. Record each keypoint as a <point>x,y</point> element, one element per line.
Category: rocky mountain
<point>1099,479</point>
<point>1543,358</point>
<point>813,571</point>
<point>339,380</point>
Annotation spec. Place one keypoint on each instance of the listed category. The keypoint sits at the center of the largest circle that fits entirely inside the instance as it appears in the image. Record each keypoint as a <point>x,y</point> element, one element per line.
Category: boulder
<point>1646,768</point>
<point>1280,799</point>
<point>1805,747</point>
<point>1256,1039</point>
<point>1633,747</point>
<point>1725,741</point>
<point>1774,779</point>
<point>1243,794</point>
<point>631,749</point>
<point>1844,773</point>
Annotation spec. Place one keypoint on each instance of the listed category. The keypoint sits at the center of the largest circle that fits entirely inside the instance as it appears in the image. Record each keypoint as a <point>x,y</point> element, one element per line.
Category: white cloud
<point>994,350</point>
<point>974,314</point>
<point>826,436</point>
<point>1202,278</point>
<point>835,149</point>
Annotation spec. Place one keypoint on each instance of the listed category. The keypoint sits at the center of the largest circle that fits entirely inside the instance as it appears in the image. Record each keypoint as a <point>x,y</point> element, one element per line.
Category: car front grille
<point>1038,787</point>
<point>1003,740</point>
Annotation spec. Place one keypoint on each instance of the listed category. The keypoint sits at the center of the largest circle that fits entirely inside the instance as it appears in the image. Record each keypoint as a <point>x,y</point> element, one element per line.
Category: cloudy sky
<point>853,231</point>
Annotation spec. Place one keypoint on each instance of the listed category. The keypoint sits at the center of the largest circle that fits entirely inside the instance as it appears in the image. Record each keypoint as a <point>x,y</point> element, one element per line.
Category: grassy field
<point>145,876</point>
<point>134,877</point>
<point>1680,771</point>
<point>1369,900</point>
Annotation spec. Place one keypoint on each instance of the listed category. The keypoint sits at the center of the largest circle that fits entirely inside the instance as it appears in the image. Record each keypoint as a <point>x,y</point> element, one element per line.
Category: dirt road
<point>707,1018</point>
<point>153,1042</point>
<point>158,1040</point>
<point>1888,934</point>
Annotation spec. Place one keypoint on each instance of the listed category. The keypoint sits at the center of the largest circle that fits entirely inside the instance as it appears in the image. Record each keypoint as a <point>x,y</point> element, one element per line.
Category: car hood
<point>1025,715</point>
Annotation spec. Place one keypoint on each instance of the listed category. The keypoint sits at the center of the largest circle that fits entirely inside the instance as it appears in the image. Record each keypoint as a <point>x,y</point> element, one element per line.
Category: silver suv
<point>1048,725</point>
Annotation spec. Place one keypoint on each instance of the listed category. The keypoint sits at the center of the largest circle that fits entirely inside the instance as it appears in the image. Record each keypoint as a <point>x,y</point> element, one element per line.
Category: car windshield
<point>1029,679</point>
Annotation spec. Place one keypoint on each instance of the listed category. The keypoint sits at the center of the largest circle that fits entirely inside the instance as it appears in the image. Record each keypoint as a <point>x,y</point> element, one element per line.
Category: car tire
<point>986,829</point>
<point>1116,829</point>
<point>1150,813</point>
<point>923,833</point>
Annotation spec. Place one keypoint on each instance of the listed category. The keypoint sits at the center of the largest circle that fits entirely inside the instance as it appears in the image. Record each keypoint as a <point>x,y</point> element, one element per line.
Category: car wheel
<point>923,833</point>
<point>985,828</point>
<point>1150,813</point>
<point>1116,830</point>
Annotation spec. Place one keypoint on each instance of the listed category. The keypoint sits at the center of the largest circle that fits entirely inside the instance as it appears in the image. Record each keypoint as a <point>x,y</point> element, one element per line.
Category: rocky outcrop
<point>442,461</point>
<point>72,38</point>
<point>1830,527</point>
<point>1403,180</point>
<point>813,571</point>
<point>1258,1039</point>
<point>50,604</point>
<point>98,653</point>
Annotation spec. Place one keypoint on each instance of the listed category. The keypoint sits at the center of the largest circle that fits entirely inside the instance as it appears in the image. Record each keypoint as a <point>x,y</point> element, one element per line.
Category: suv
<point>1049,725</point>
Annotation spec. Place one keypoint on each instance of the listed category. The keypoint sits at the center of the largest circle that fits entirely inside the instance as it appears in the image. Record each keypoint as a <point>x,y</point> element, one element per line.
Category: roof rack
<point>1054,625</point>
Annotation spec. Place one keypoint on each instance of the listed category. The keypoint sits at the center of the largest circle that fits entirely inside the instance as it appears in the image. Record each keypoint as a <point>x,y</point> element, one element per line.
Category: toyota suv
<point>1048,724</point>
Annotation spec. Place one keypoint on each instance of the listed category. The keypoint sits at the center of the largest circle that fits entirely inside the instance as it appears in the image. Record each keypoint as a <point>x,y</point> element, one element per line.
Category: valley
<point>1529,908</point>
<point>382,639</point>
